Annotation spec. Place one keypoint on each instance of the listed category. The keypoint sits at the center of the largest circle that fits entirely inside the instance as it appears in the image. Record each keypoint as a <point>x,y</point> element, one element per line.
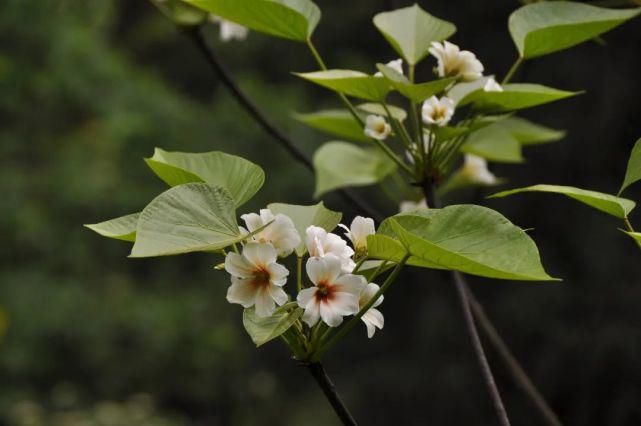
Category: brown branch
<point>318,372</point>
<point>196,36</point>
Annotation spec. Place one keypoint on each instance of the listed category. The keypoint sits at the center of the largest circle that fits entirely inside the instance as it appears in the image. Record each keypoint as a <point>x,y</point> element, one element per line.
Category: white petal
<point>242,291</point>
<point>353,284</point>
<point>368,293</point>
<point>305,296</point>
<point>314,236</point>
<point>253,221</point>
<point>373,318</point>
<point>326,268</point>
<point>277,274</point>
<point>312,313</point>
<point>329,315</point>
<point>264,303</point>
<point>278,295</point>
<point>260,254</point>
<point>238,265</point>
<point>343,303</point>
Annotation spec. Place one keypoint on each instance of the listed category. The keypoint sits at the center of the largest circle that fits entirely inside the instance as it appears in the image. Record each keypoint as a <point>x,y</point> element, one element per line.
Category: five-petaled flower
<point>373,318</point>
<point>321,243</point>
<point>256,278</point>
<point>475,170</point>
<point>454,62</point>
<point>280,232</point>
<point>333,294</point>
<point>376,127</point>
<point>358,231</point>
<point>438,111</point>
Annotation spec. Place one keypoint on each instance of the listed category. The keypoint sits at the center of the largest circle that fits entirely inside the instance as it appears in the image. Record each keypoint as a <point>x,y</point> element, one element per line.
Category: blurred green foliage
<point>89,88</point>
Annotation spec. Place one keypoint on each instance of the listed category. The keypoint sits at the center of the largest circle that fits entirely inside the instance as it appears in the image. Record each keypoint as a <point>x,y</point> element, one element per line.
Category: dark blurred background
<point>89,88</point>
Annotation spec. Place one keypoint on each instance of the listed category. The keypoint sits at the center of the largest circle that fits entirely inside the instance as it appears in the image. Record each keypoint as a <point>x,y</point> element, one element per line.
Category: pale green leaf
<point>471,239</point>
<point>240,177</point>
<point>377,109</point>
<point>417,92</point>
<point>541,28</point>
<point>529,133</point>
<point>180,12</point>
<point>339,123</point>
<point>290,19</point>
<point>340,164</point>
<point>636,236</point>
<point>494,143</point>
<point>263,329</point>
<point>618,207</point>
<point>121,228</point>
<point>411,30</point>
<point>515,96</point>
<point>381,246</point>
<point>351,83</point>
<point>306,216</point>
<point>187,218</point>
<point>633,173</point>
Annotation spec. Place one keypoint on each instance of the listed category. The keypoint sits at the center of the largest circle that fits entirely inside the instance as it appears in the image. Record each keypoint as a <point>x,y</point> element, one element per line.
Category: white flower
<point>438,111</point>
<point>492,86</point>
<point>358,231</point>
<point>257,279</point>
<point>230,30</point>
<point>475,170</point>
<point>281,233</point>
<point>407,206</point>
<point>376,127</point>
<point>321,243</point>
<point>454,62</point>
<point>333,295</point>
<point>396,65</point>
<point>373,318</point>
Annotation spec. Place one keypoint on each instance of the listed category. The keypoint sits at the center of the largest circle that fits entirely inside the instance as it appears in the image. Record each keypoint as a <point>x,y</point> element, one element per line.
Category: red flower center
<point>261,278</point>
<point>325,291</point>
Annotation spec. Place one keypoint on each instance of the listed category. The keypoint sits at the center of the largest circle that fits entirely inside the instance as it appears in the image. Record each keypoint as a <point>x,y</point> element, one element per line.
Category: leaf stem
<point>318,373</point>
<point>515,66</point>
<point>299,273</point>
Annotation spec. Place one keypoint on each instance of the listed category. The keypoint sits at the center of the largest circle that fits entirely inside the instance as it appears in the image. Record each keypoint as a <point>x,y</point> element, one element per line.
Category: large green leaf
<point>240,177</point>
<point>417,92</point>
<point>352,83</point>
<point>386,247</point>
<point>411,30</point>
<point>187,218</point>
<point>468,238</point>
<point>290,19</point>
<point>619,207</point>
<point>121,228</point>
<point>306,216</point>
<point>494,143</point>
<point>341,164</point>
<point>529,133</point>
<point>262,330</point>
<point>339,123</point>
<point>541,28</point>
<point>515,96</point>
<point>633,173</point>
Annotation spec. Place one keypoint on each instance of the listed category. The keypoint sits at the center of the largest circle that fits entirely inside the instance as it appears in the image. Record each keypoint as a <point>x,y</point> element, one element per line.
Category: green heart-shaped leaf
<point>240,177</point>
<point>411,30</point>
<point>290,19</point>
<point>121,228</point>
<point>339,123</point>
<point>341,164</point>
<point>187,218</point>
<point>618,207</point>
<point>262,330</point>
<point>541,28</point>
<point>351,83</point>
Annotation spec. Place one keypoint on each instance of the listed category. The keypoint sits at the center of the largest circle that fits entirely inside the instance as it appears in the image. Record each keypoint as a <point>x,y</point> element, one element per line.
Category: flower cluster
<point>335,291</point>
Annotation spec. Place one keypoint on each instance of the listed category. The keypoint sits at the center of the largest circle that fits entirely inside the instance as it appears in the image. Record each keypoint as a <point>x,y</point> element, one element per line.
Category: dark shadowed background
<point>89,88</point>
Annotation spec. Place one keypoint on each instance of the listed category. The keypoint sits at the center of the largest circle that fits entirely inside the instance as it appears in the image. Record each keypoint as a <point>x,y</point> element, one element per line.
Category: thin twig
<point>463,293</point>
<point>196,36</point>
<point>520,376</point>
<point>318,372</point>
